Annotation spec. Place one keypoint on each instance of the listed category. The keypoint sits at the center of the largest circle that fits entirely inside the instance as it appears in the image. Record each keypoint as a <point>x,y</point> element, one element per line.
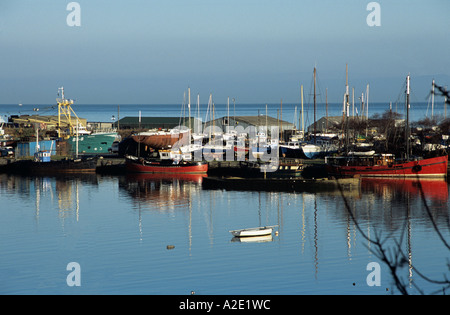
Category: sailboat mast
<point>189,108</point>
<point>326,110</point>
<point>228,114</point>
<point>281,120</point>
<point>407,131</point>
<point>314,105</point>
<point>432,98</point>
<point>303,125</point>
<point>198,113</point>
<point>346,109</point>
<point>367,102</point>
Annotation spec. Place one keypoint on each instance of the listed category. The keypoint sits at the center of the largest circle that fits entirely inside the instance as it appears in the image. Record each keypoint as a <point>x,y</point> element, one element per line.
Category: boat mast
<point>198,113</point>
<point>432,98</point>
<point>346,109</point>
<point>314,105</point>
<point>303,125</point>
<point>407,131</point>
<point>367,102</point>
<point>189,110</point>
<point>326,110</point>
<point>281,120</point>
<point>228,114</point>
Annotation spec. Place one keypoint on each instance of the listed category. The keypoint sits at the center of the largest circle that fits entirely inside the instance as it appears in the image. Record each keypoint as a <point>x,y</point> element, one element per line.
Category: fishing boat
<point>252,232</point>
<point>94,143</point>
<point>42,164</point>
<point>79,139</point>
<point>168,166</point>
<point>386,165</point>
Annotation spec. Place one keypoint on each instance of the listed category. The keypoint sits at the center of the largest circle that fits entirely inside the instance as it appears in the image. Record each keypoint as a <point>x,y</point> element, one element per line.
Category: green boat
<point>95,143</point>
<point>80,141</point>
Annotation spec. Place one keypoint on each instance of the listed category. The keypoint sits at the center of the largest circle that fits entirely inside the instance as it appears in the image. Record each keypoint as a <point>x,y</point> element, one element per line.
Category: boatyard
<point>232,146</point>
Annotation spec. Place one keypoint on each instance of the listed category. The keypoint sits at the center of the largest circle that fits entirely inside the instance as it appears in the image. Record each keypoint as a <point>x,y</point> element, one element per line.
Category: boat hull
<point>291,152</point>
<point>93,144</point>
<point>66,166</point>
<point>312,151</point>
<point>252,232</point>
<point>142,166</point>
<point>431,167</point>
<point>161,140</point>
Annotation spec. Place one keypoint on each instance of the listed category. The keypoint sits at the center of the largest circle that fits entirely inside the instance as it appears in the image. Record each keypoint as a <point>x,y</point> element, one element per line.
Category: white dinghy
<point>257,231</point>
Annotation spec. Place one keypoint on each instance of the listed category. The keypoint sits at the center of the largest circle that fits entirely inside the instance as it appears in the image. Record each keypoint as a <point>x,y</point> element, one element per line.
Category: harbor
<point>250,146</point>
<point>180,185</point>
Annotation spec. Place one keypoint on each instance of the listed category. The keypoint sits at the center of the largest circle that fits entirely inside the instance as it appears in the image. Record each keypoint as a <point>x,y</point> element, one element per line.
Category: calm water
<point>118,230</point>
<point>288,112</point>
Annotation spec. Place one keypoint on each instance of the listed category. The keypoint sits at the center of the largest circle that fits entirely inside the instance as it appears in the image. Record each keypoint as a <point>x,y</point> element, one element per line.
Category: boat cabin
<point>376,159</point>
<point>175,156</point>
<point>42,156</point>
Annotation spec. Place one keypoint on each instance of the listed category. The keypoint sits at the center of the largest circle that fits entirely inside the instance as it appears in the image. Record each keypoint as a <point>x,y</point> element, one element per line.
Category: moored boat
<point>320,147</point>
<point>161,140</point>
<point>94,143</point>
<point>42,164</point>
<point>79,139</point>
<point>168,166</point>
<point>291,150</point>
<point>385,165</point>
<point>252,232</point>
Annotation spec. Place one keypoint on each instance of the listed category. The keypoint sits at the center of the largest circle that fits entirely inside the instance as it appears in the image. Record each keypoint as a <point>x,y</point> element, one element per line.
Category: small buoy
<point>354,284</point>
<point>276,233</point>
<point>170,246</point>
<point>192,292</point>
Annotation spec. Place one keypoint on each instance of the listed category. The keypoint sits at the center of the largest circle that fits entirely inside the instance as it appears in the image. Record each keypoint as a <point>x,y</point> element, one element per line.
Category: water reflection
<point>392,200</point>
<point>318,224</point>
<point>434,189</point>
<point>63,191</point>
<point>402,208</point>
<point>253,239</point>
<point>161,192</point>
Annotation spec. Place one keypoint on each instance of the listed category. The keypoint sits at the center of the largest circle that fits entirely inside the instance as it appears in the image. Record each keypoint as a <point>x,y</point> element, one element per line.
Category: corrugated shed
<point>29,148</point>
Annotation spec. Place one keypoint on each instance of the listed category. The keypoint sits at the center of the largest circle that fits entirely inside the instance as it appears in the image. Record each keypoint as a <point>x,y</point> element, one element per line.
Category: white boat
<point>257,231</point>
<point>320,149</point>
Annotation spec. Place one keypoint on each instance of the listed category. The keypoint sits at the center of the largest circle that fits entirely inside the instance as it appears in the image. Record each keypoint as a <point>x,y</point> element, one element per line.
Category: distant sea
<point>288,112</point>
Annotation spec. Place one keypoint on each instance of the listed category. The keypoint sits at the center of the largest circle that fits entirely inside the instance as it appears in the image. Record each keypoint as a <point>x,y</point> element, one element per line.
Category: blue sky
<point>257,51</point>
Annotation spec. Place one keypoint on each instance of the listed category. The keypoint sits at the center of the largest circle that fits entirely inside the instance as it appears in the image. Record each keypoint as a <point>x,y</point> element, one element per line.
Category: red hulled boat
<point>161,140</point>
<point>166,166</point>
<point>384,165</point>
